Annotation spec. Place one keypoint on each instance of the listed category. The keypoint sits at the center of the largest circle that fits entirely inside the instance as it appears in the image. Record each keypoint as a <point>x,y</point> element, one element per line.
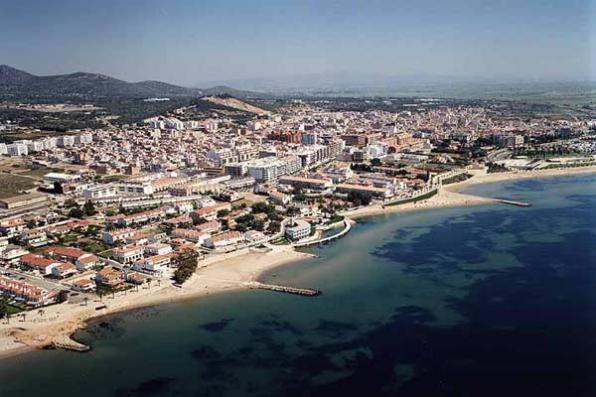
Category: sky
<point>188,42</point>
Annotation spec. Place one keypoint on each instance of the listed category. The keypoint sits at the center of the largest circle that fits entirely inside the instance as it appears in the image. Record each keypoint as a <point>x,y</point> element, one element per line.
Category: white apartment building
<point>34,146</point>
<point>17,149</point>
<point>300,229</point>
<point>83,139</point>
<point>65,141</point>
<point>100,191</point>
<point>270,168</point>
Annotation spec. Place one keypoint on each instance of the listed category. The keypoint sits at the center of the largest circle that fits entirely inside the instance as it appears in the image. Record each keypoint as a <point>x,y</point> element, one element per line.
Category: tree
<point>76,212</point>
<point>293,211</point>
<point>89,208</point>
<point>376,162</point>
<point>223,213</point>
<point>187,265</point>
<point>258,225</point>
<point>274,227</point>
<point>359,199</point>
<point>198,220</point>
<point>70,203</point>
<point>260,207</point>
<point>3,309</point>
<point>62,296</point>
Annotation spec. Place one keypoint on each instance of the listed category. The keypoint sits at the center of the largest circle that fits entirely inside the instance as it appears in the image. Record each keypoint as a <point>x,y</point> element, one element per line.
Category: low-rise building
<point>81,259</point>
<point>109,277</point>
<point>373,191</point>
<point>128,254</point>
<point>298,230</point>
<point>64,270</point>
<point>156,264</point>
<point>38,263</point>
<point>193,235</point>
<point>25,292</point>
<point>113,236</point>
<point>24,200</point>
<point>12,227</point>
<point>224,240</point>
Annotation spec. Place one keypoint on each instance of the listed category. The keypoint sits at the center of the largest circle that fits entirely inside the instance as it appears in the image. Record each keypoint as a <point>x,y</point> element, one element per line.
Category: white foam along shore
<point>218,274</point>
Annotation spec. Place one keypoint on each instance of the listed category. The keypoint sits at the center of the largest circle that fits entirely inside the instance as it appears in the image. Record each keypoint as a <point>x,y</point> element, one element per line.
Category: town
<point>96,212</point>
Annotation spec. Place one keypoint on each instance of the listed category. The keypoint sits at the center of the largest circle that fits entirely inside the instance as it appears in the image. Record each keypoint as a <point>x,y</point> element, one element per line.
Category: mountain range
<point>16,84</point>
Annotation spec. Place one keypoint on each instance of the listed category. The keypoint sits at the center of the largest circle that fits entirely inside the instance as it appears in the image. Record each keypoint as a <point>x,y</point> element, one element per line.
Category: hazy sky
<point>187,42</point>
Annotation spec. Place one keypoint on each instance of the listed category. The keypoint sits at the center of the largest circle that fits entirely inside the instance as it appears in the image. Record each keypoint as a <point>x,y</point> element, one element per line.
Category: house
<point>137,239</point>
<point>25,292</point>
<point>110,277</point>
<point>63,227</point>
<point>38,263</point>
<point>127,254</point>
<point>179,220</point>
<point>12,253</point>
<point>114,236</point>
<point>64,270</point>
<point>209,213</point>
<point>136,278</point>
<point>157,249</point>
<point>224,240</point>
<point>191,235</point>
<point>86,262</point>
<point>154,264</point>
<point>136,219</point>
<point>12,227</point>
<point>209,227</point>
<point>83,285</point>
<point>81,259</point>
<point>34,237</point>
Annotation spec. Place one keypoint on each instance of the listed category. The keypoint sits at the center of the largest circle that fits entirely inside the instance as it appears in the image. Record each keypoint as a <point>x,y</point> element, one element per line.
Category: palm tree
<point>85,299</point>
<point>41,312</point>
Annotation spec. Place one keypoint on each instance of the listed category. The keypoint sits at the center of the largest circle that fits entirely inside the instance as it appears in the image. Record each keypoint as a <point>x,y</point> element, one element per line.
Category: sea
<point>492,300</point>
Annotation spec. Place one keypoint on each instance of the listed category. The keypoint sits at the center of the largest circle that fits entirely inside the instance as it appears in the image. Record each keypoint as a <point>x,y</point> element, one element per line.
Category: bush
<point>76,212</point>
<point>187,265</point>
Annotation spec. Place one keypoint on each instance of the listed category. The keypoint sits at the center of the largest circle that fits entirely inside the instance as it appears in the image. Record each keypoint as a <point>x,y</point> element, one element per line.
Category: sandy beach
<point>218,274</point>
<point>451,196</point>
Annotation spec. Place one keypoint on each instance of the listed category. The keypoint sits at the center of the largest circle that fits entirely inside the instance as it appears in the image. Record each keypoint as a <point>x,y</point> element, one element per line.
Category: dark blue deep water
<point>485,301</point>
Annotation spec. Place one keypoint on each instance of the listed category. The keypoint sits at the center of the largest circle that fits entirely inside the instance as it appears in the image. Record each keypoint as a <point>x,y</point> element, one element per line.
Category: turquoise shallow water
<point>495,300</point>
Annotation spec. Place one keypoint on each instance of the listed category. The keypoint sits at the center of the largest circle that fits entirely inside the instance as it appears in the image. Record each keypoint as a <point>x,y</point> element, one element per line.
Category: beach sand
<point>215,275</point>
<point>221,273</point>
<point>451,196</point>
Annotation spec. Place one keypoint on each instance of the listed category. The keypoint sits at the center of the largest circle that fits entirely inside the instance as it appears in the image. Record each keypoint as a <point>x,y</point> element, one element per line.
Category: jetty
<point>347,226</point>
<point>67,343</point>
<point>283,288</point>
<point>516,203</point>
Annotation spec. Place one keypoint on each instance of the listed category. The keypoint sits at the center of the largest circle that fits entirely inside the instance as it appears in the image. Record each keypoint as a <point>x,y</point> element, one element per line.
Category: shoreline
<point>450,196</point>
<point>226,272</point>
